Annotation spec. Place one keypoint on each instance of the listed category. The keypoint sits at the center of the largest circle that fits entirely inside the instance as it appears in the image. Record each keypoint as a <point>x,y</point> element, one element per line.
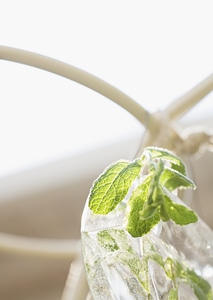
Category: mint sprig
<point>158,173</point>
<point>146,187</point>
<point>136,225</point>
<point>117,242</point>
<point>112,186</point>
<point>167,155</point>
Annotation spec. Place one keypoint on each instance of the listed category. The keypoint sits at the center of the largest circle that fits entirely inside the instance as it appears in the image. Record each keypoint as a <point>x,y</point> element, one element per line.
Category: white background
<point>152,50</point>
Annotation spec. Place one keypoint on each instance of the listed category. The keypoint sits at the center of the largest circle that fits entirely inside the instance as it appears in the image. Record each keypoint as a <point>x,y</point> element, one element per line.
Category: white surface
<point>153,51</point>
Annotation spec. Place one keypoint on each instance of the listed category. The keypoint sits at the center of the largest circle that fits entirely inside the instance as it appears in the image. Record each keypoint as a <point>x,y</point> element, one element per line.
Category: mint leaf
<point>116,239</point>
<point>172,180</point>
<point>176,163</point>
<point>112,186</point>
<point>173,294</point>
<point>136,225</point>
<point>180,214</point>
<point>107,241</point>
<point>119,236</point>
<point>201,287</point>
<point>180,272</point>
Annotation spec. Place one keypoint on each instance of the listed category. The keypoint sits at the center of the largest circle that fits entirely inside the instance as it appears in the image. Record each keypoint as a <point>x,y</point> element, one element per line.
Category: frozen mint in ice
<point>139,240</point>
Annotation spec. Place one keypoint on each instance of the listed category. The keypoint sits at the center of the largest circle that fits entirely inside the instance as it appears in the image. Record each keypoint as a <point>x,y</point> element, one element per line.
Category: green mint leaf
<point>180,214</point>
<point>137,226</point>
<point>201,287</point>
<point>112,186</point>
<point>120,237</point>
<point>174,269</point>
<point>172,180</point>
<point>177,271</point>
<point>107,241</point>
<point>173,294</point>
<point>167,155</point>
<point>201,295</point>
<point>116,239</point>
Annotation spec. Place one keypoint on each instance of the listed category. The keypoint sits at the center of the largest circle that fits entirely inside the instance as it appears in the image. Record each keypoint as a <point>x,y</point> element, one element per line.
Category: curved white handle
<point>73,73</point>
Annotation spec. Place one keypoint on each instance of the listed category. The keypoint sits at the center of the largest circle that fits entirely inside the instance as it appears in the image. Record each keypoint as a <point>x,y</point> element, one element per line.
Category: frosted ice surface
<point>119,266</point>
